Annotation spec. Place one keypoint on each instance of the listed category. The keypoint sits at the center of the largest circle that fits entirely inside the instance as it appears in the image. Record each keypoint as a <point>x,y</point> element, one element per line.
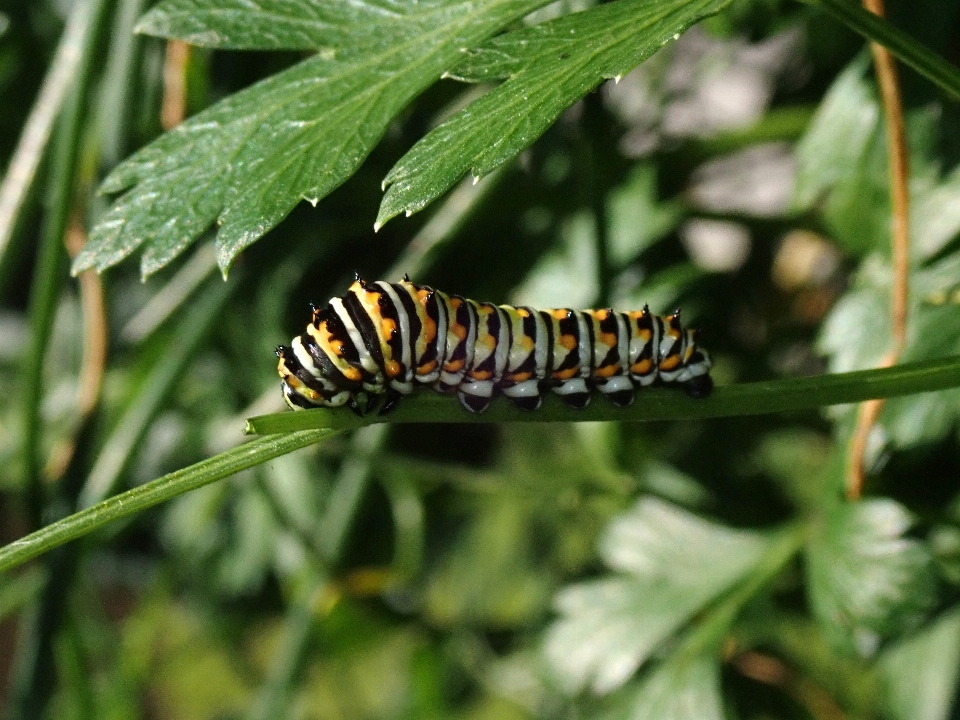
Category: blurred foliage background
<point>688,569</point>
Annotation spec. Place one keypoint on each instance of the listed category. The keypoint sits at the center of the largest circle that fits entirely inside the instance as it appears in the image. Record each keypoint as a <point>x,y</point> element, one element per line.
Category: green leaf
<point>935,216</point>
<point>920,673</point>
<point>670,564</point>
<point>866,580</point>
<point>841,163</point>
<point>856,336</point>
<point>247,161</point>
<point>272,24</point>
<point>920,58</point>
<point>549,67</point>
<point>679,689</point>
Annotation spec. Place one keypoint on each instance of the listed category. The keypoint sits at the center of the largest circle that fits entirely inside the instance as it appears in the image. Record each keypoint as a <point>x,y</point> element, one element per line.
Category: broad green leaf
<point>670,564</point>
<point>247,161</point>
<point>841,163</point>
<point>920,672</point>
<point>866,580</point>
<point>935,216</point>
<point>679,689</point>
<point>275,24</point>
<point>856,336</point>
<point>548,67</point>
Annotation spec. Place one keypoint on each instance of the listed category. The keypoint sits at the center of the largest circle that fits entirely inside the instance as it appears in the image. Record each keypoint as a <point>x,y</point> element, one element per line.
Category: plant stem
<point>157,491</point>
<point>756,398</point>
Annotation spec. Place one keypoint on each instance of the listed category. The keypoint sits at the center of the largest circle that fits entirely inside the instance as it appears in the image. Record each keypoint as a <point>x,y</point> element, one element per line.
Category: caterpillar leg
<point>355,406</point>
<point>619,391</point>
<point>525,395</point>
<point>390,400</point>
<point>698,387</point>
<point>476,396</point>
<point>574,392</point>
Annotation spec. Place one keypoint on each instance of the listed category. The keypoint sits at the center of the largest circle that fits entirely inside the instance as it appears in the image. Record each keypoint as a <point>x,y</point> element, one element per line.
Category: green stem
<point>757,398</point>
<point>920,58</point>
<point>48,274</point>
<point>155,492</point>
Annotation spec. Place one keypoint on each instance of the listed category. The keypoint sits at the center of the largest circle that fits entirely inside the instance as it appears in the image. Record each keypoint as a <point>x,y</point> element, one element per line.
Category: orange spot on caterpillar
<point>392,368</point>
<point>427,368</point>
<point>606,371</point>
<point>670,362</point>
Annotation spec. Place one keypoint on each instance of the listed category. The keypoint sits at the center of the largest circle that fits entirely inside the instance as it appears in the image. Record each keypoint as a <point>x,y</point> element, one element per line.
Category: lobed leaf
<point>855,336</point>
<point>842,165</point>
<point>549,67</point>
<point>920,672</point>
<point>247,161</point>
<point>671,564</point>
<point>866,580</point>
<point>679,689</point>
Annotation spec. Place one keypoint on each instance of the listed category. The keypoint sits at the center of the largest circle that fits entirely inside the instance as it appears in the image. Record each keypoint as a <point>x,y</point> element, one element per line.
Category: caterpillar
<point>381,339</point>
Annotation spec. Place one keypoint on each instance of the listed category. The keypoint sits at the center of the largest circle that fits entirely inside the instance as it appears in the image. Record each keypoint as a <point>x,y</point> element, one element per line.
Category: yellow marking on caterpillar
<point>460,331</point>
<point>351,373</point>
<point>567,341</point>
<point>670,362</point>
<point>606,371</point>
<point>391,368</point>
<point>427,368</point>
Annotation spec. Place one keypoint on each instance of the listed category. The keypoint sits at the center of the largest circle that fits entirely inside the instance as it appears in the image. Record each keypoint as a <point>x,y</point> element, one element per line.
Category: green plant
<point>431,563</point>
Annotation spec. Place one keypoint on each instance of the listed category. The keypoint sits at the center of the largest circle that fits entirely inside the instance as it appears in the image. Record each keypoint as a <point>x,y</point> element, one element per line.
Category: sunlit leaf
<point>548,67</point>
<point>247,161</point>
<point>841,163</point>
<point>679,689</point>
<point>272,24</point>
<point>866,580</point>
<point>670,564</point>
<point>920,672</point>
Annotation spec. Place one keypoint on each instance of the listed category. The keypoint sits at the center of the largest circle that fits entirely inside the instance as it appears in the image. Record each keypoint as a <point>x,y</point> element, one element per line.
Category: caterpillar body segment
<point>384,339</point>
